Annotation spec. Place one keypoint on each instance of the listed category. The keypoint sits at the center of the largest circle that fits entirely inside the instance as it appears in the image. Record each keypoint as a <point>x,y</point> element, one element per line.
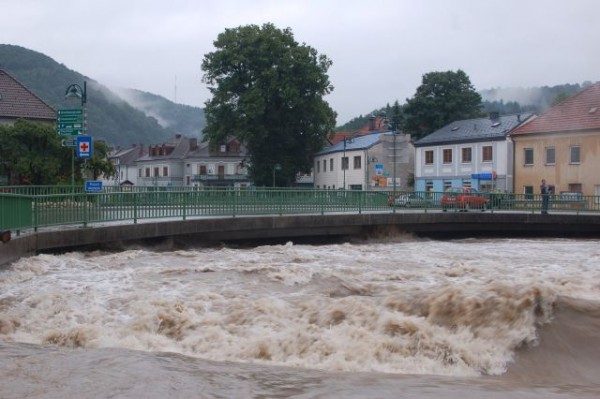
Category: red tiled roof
<point>579,112</point>
<point>377,124</point>
<point>16,101</point>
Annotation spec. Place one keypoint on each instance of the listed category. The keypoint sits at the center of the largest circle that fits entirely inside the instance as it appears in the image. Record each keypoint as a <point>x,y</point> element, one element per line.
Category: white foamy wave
<point>453,308</point>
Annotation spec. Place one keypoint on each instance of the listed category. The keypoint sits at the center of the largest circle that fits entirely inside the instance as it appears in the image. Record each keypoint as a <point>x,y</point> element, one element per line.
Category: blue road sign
<point>93,185</point>
<point>84,147</point>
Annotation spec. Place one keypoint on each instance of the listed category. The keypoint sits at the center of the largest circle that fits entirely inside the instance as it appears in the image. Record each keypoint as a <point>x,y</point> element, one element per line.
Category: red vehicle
<point>464,198</point>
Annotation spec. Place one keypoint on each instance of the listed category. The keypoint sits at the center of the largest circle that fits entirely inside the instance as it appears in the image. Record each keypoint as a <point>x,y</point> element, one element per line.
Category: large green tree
<point>442,98</point>
<point>267,91</point>
<point>32,153</point>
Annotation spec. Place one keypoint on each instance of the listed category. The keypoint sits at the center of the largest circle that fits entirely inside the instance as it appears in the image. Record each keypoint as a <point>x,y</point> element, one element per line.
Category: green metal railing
<point>31,207</point>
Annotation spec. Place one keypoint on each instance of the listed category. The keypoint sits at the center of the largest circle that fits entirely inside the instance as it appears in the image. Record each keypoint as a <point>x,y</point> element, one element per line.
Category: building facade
<point>183,162</point>
<point>562,146</point>
<point>474,153</point>
<point>377,161</point>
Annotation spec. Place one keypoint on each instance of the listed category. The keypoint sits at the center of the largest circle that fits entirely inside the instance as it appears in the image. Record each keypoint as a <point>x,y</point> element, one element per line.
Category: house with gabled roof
<point>18,102</point>
<point>472,152</point>
<point>182,161</point>
<point>561,146</point>
<point>126,169</point>
<point>381,160</point>
<point>226,165</point>
<point>163,164</point>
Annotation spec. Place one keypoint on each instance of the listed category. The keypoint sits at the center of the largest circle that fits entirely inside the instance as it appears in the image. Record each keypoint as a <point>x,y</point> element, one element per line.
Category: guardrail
<point>34,207</point>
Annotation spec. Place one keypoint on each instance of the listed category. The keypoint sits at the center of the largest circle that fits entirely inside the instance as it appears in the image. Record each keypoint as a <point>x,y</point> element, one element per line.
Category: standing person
<point>545,191</point>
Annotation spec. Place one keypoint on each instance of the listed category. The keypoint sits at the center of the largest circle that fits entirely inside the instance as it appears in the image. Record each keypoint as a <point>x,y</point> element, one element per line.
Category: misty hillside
<point>182,118</point>
<point>511,100</point>
<point>148,119</point>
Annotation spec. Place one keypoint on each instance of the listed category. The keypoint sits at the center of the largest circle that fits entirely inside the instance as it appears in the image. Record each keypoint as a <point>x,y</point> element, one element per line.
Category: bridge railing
<point>52,207</point>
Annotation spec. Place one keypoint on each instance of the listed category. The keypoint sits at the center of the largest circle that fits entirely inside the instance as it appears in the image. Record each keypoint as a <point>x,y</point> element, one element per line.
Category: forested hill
<point>146,119</point>
<point>503,100</point>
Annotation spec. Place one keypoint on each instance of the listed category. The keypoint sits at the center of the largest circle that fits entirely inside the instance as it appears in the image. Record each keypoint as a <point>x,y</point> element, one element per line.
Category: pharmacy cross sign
<point>84,146</point>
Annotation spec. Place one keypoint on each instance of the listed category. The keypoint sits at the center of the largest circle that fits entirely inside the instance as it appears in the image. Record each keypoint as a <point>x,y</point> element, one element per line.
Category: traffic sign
<point>70,121</point>
<point>93,185</point>
<point>84,147</point>
<point>70,142</point>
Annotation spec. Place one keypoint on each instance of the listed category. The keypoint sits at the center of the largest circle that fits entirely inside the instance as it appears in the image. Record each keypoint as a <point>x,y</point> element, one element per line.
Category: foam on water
<point>461,308</point>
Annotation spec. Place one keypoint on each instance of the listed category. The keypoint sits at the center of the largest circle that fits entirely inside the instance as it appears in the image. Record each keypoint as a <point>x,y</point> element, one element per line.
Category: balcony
<point>161,181</point>
<point>220,179</point>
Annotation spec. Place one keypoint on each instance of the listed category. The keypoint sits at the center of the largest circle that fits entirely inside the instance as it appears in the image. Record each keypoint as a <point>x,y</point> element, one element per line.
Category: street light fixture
<point>76,91</point>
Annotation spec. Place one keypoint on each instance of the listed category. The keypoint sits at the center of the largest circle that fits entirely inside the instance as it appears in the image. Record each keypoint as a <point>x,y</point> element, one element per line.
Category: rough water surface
<point>405,317</point>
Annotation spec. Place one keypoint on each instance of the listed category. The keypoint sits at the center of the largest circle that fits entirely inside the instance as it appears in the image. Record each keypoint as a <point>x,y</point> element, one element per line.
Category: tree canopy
<point>31,153</point>
<point>442,97</point>
<point>267,92</point>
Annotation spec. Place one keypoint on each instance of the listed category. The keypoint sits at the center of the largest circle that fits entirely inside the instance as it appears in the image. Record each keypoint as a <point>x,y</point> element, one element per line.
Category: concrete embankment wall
<point>211,230</point>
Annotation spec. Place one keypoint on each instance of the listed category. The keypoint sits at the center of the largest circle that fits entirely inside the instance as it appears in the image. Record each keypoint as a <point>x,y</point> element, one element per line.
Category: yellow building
<point>561,146</point>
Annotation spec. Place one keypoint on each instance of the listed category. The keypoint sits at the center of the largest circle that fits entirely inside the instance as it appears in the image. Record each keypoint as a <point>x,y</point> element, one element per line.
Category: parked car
<point>464,198</point>
<point>411,200</point>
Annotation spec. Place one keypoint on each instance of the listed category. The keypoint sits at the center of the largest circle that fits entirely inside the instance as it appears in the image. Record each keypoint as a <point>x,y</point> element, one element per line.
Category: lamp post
<point>76,91</point>
<point>394,135</point>
<point>276,167</point>
<point>344,165</point>
<point>345,162</point>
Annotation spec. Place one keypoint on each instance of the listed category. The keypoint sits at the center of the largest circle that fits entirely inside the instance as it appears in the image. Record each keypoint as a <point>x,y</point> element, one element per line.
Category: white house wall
<point>459,172</point>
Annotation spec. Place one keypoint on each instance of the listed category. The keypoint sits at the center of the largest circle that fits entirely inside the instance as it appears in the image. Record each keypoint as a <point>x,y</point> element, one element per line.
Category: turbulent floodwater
<point>400,318</point>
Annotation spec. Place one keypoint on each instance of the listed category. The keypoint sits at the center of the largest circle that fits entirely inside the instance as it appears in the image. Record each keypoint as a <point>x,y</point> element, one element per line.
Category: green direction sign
<point>70,121</point>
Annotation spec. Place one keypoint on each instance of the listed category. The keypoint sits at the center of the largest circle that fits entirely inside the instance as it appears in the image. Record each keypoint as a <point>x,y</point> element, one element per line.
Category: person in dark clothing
<point>545,191</point>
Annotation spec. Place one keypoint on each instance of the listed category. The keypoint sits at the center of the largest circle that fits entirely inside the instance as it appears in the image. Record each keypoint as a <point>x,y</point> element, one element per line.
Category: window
<point>357,162</point>
<point>429,157</point>
<point>318,168</point>
<point>331,164</point>
<point>156,171</point>
<point>447,155</point>
<point>487,154</point>
<point>447,184</point>
<point>575,154</point>
<point>528,191</point>
<point>575,187</point>
<point>147,172</point>
<point>466,183</point>
<point>165,171</point>
<point>467,153</point>
<point>324,165</point>
<point>344,163</point>
<point>429,185</point>
<point>140,172</point>
<point>550,156</point>
<point>528,156</point>
<point>202,169</point>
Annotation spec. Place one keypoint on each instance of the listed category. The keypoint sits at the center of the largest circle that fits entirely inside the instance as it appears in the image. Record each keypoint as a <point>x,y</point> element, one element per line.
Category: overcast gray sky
<point>380,49</point>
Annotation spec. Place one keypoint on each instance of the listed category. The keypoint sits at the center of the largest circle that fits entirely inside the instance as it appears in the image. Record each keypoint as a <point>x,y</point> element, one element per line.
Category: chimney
<point>494,115</point>
<point>371,123</point>
<point>193,144</point>
<point>518,117</point>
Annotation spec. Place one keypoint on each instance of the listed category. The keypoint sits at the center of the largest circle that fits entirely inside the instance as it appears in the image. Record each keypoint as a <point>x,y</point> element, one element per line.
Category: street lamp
<point>276,167</point>
<point>76,91</point>
<point>345,160</point>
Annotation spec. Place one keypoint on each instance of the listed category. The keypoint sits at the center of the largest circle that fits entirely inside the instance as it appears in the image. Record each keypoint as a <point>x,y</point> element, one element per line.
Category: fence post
<point>135,195</point>
<point>85,209</point>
